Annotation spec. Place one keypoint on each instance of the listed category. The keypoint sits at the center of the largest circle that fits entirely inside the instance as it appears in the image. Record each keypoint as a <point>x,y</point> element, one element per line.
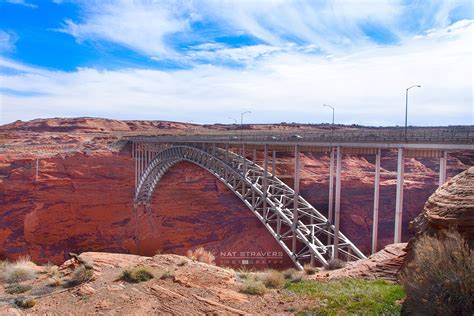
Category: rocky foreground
<point>180,287</point>
<point>66,185</point>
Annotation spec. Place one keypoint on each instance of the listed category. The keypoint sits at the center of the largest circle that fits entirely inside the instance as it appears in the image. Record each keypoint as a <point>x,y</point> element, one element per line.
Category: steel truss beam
<point>272,201</point>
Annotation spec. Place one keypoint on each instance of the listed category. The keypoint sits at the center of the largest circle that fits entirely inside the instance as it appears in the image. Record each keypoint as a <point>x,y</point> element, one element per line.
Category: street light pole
<point>332,108</point>
<point>242,122</point>
<point>406,107</point>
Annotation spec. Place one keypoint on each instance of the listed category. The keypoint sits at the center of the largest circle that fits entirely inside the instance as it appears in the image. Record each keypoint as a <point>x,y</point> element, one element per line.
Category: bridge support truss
<point>303,232</point>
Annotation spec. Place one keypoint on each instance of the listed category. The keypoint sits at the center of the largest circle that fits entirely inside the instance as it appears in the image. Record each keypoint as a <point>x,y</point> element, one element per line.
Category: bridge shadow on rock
<point>192,208</point>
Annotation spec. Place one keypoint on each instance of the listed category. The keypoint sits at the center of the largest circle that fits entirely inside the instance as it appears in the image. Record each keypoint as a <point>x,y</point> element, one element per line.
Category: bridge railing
<point>448,135</point>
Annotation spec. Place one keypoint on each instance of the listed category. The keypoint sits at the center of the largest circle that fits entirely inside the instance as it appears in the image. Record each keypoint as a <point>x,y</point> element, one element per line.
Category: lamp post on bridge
<point>332,126</point>
<point>242,122</point>
<point>406,107</point>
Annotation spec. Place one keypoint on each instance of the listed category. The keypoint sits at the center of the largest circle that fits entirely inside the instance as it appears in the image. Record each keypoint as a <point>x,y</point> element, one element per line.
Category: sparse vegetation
<point>55,281</point>
<point>292,275</point>
<point>351,296</point>
<point>201,255</point>
<point>440,278</point>
<point>19,271</point>
<point>168,274</point>
<point>25,303</point>
<point>253,287</point>
<point>81,275</point>
<point>310,270</point>
<point>17,288</point>
<point>271,278</point>
<point>136,275</point>
<point>335,264</point>
<point>42,290</point>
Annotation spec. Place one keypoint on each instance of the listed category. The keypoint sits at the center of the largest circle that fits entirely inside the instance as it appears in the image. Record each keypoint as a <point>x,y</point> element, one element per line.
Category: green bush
<point>17,288</point>
<point>439,280</point>
<point>136,275</point>
<point>351,296</point>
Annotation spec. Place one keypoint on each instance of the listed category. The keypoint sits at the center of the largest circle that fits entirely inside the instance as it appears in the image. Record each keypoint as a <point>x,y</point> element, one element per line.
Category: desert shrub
<point>19,271</point>
<point>80,275</point>
<point>292,275</point>
<point>335,264</point>
<point>55,280</point>
<point>136,275</point>
<point>271,278</point>
<point>17,288</point>
<point>201,255</point>
<point>310,270</point>
<point>168,274</point>
<point>25,302</point>
<point>439,280</point>
<point>253,287</point>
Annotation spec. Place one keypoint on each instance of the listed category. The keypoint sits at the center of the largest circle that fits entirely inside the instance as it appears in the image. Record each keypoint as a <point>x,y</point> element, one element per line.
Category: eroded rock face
<point>452,205</point>
<point>384,264</point>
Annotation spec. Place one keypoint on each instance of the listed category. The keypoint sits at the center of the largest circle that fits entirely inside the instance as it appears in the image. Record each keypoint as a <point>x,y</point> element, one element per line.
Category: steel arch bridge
<point>302,231</point>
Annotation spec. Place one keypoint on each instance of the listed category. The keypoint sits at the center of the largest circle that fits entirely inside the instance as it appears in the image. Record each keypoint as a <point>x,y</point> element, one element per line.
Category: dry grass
<point>136,275</point>
<point>440,278</point>
<point>25,303</point>
<point>253,287</point>
<point>292,275</point>
<point>19,271</point>
<point>168,274</point>
<point>335,264</point>
<point>271,278</point>
<point>201,255</point>
<point>81,275</point>
<point>310,270</point>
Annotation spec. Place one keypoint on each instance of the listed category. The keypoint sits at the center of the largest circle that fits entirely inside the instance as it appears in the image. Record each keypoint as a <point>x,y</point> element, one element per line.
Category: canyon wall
<point>83,201</point>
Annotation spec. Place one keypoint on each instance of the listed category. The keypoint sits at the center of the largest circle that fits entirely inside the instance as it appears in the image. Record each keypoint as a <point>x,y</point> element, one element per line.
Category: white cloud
<point>7,41</point>
<point>366,87</point>
<point>23,3</point>
<point>141,26</point>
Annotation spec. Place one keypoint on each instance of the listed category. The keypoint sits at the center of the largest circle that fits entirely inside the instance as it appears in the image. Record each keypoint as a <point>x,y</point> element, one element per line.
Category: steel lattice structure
<point>302,231</point>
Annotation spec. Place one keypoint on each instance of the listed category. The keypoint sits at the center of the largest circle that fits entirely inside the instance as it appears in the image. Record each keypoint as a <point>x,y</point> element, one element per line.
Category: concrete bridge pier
<point>375,222</point>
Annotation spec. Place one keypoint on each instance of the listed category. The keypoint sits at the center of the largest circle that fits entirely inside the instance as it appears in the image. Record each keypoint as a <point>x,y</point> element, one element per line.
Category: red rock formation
<point>384,264</point>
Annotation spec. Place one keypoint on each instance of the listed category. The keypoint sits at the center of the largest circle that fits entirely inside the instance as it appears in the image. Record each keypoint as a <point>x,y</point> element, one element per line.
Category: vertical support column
<point>274,164</point>
<point>442,169</point>
<point>331,187</point>
<point>244,167</point>
<point>399,198</point>
<point>37,169</point>
<point>254,155</point>
<point>265,181</point>
<point>375,222</point>
<point>134,155</point>
<point>337,204</point>
<point>296,189</point>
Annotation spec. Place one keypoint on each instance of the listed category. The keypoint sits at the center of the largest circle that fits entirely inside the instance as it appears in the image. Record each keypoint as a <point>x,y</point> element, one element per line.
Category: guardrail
<point>442,136</point>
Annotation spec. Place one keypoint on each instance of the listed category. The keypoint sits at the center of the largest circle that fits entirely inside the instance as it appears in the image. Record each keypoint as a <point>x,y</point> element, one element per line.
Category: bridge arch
<point>305,235</point>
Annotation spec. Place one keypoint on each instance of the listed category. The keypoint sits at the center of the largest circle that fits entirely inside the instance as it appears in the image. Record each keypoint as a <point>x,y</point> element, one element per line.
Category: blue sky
<point>209,60</point>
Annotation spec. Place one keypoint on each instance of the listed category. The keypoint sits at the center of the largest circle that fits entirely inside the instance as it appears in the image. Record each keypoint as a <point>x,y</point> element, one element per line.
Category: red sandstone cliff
<point>82,198</point>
